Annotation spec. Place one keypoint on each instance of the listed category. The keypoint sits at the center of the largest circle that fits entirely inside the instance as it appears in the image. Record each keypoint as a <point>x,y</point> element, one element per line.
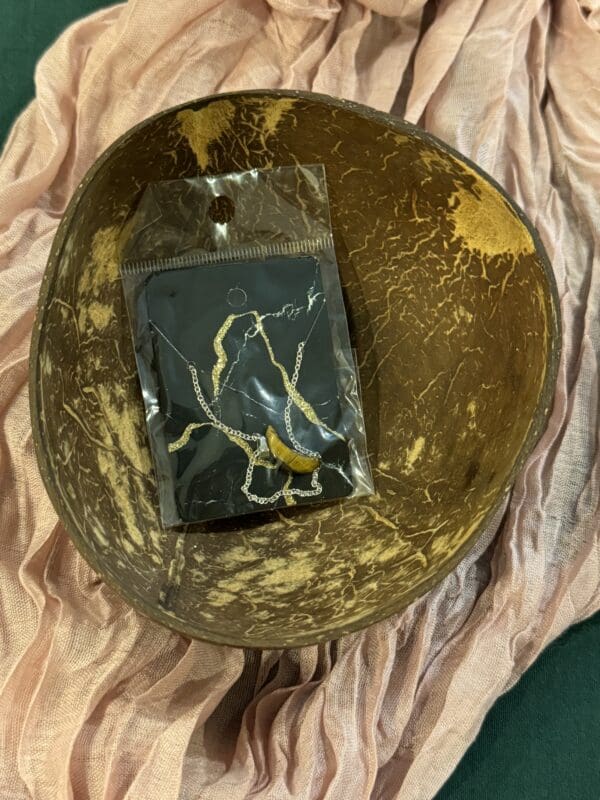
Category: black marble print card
<point>247,389</point>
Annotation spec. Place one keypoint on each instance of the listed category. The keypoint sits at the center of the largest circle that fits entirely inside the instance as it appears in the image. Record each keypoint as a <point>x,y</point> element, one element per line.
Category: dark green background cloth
<point>541,741</point>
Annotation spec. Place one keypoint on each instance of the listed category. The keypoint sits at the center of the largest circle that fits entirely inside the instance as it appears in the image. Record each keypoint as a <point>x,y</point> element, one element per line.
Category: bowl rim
<point>537,425</point>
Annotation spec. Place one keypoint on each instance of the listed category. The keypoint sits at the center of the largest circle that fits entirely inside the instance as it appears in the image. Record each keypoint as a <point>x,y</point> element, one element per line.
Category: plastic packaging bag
<point>241,340</point>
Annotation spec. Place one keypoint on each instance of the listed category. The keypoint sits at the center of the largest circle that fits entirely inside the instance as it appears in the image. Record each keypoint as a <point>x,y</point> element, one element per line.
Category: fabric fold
<point>98,702</point>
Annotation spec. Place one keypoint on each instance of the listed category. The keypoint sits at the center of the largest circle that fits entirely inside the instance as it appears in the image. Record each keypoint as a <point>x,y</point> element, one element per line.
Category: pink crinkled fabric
<point>98,703</point>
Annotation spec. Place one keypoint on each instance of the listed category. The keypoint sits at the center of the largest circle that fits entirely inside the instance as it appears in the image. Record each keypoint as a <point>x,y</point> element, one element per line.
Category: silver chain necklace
<point>258,440</point>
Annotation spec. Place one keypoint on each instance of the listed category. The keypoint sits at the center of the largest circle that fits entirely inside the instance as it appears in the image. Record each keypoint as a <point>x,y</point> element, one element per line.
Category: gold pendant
<point>292,459</point>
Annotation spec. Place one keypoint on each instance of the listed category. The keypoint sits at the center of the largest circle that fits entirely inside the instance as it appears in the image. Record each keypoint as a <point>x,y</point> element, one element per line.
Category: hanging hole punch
<point>236,297</point>
<point>221,209</point>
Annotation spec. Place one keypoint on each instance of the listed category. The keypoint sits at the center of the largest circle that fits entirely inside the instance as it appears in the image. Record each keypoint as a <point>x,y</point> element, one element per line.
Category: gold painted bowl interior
<point>453,314</point>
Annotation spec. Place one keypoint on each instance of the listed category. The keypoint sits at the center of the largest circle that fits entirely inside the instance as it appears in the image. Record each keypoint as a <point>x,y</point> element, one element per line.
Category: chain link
<point>288,407</point>
<point>247,437</point>
<point>316,487</point>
